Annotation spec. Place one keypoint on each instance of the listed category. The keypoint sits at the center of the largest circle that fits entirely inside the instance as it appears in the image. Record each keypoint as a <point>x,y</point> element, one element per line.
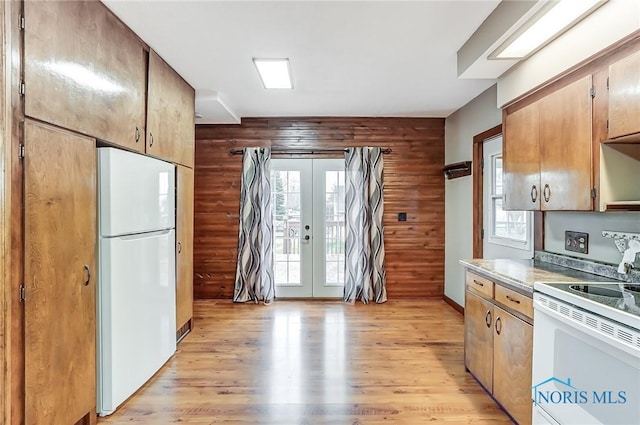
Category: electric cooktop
<point>618,301</point>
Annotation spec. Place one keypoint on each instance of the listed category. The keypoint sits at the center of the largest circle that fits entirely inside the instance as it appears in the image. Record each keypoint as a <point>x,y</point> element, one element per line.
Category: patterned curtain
<point>365,274</point>
<point>254,273</point>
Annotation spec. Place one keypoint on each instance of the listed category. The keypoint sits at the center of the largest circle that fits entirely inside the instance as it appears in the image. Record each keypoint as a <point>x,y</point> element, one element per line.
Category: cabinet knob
<point>137,134</point>
<point>534,193</point>
<point>87,272</point>
<point>546,192</point>
<point>307,237</point>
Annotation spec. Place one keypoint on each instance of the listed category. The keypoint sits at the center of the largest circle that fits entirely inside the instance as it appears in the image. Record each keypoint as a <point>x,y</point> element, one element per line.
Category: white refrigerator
<point>136,288</point>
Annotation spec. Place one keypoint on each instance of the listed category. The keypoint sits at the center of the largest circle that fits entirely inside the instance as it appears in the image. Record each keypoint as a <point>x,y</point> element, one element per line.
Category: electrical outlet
<point>402,216</point>
<point>576,242</point>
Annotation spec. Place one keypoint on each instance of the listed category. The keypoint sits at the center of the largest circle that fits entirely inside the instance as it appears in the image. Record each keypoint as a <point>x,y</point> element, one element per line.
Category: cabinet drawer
<point>480,285</point>
<point>514,300</point>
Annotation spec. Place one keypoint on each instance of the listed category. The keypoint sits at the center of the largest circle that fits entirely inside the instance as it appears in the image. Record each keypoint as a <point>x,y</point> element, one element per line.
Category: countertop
<point>521,274</point>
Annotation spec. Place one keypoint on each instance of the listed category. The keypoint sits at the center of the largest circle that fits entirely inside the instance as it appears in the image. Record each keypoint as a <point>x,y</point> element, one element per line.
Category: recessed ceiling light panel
<point>274,73</point>
<point>551,21</point>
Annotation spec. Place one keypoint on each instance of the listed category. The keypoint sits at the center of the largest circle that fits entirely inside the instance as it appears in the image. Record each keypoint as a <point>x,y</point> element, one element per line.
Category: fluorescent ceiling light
<point>274,73</point>
<point>551,21</point>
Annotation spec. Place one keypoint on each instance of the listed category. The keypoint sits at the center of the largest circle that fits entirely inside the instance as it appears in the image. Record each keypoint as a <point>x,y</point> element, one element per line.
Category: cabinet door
<point>85,71</point>
<point>624,96</point>
<point>520,159</point>
<point>478,339</point>
<point>565,148</point>
<point>170,114</point>
<point>60,305</point>
<point>512,348</point>
<point>184,246</point>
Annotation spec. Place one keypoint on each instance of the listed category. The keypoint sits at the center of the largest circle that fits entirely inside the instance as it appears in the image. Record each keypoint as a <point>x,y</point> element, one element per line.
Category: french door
<point>308,198</point>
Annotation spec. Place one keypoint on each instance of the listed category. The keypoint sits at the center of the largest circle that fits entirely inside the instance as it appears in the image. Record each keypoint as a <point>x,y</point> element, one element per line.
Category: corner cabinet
<point>184,250</point>
<point>170,114</point>
<point>84,71</point>
<point>498,343</point>
<point>547,152</point>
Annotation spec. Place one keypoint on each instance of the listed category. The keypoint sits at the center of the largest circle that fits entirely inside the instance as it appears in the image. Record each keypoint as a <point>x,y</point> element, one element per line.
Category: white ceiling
<point>348,58</point>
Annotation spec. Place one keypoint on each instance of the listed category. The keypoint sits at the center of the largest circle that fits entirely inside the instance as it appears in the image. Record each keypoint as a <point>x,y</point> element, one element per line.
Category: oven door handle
<point>610,342</point>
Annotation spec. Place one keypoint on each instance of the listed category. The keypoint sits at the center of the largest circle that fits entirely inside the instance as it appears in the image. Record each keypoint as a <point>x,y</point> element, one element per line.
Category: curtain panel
<point>365,277</point>
<point>254,272</point>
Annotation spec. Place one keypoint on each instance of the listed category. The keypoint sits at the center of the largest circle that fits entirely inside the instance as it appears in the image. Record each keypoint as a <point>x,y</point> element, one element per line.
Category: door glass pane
<point>286,226</point>
<point>509,224</point>
<point>497,175</point>
<point>334,228</point>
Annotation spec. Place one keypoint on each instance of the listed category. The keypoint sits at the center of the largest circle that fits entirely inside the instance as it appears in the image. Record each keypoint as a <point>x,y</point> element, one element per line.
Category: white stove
<point>586,353</point>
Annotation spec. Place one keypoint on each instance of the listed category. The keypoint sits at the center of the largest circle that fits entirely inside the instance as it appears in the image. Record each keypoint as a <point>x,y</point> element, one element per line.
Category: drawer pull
<point>513,300</point>
<point>478,283</point>
<point>498,326</point>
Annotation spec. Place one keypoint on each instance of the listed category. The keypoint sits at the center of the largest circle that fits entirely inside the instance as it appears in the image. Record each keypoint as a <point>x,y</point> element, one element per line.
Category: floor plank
<point>316,362</point>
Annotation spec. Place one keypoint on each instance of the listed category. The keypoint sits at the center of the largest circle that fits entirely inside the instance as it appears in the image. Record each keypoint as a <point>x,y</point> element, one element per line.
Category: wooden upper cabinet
<point>184,246</point>
<point>85,71</point>
<point>170,114</point>
<point>624,96</point>
<point>547,156</point>
<point>520,159</point>
<point>565,148</point>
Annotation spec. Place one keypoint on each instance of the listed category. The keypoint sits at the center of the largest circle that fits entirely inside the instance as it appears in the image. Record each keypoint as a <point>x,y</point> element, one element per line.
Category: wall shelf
<point>459,169</point>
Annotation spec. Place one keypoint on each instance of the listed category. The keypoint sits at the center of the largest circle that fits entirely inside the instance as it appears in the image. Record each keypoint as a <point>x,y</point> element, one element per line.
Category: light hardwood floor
<point>316,362</point>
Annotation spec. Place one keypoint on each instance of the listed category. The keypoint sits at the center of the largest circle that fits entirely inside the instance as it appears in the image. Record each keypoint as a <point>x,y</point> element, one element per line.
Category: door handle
<point>498,322</point>
<point>534,193</point>
<point>87,272</point>
<point>546,193</point>
<point>487,318</point>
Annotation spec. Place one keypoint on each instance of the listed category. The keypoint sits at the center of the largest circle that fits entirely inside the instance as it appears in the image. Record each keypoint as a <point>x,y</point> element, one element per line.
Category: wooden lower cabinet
<point>60,285</point>
<point>184,246</point>
<point>478,339</point>
<point>512,349</point>
<point>498,353</point>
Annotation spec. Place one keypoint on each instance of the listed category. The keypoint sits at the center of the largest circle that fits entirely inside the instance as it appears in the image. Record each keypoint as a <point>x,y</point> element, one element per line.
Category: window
<point>509,228</point>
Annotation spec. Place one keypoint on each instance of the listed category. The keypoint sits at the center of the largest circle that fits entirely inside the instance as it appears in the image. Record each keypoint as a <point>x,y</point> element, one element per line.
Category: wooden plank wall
<point>414,184</point>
